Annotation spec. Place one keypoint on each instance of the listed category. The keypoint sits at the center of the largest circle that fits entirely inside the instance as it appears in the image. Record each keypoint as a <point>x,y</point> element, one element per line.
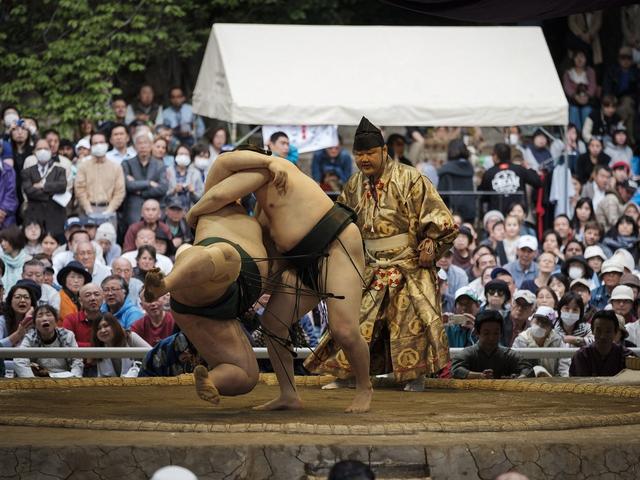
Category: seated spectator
<point>147,237</point>
<point>33,236</point>
<point>174,355</point>
<point>116,302</point>
<point>174,218</point>
<point>151,215</point>
<point>603,357</point>
<point>217,139</point>
<point>500,273</point>
<point>335,159</point>
<point>186,184</point>
<point>511,236</point>
<point>164,245</point>
<point>446,299</point>
<point>497,294</point>
<point>588,162</point>
<point>610,275</point>
<point>494,240</point>
<point>611,208</point>
<point>619,150</point>
<point>123,268</point>
<point>157,323</point>
<point>145,261</point>
<point>546,265</point>
<point>34,270</point>
<point>73,276</point>
<point>483,256</point>
<point>537,155</point>
<point>17,318</point>
<point>487,359</point>
<point>559,283</point>
<point>81,322</point>
<point>575,267</point>
<point>583,287</point>
<point>623,82</point>
<point>524,268</point>
<point>579,84</point>
<point>624,235</point>
<point>106,238</point>
<point>49,244</point>
<point>516,209</point>
<point>592,236</point>
<point>541,335</point>
<point>623,300</point>
<point>573,248</point>
<point>597,188</point>
<point>489,220</point>
<point>562,226</point>
<point>109,333</point>
<point>461,249</point>
<point>457,175</point>
<point>571,326</point>
<point>459,323</point>
<point>582,214</point>
<point>144,180</point>
<point>47,335</point>
<point>551,243</point>
<point>517,319</point>
<point>63,257</point>
<point>13,255</point>
<point>601,121</point>
<point>620,171</point>
<point>456,277</point>
<point>85,253</point>
<point>624,258</point>
<point>546,297</point>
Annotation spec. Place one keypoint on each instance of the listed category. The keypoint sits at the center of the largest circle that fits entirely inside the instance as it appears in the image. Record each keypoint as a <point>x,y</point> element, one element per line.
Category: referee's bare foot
<point>361,402</point>
<point>281,403</point>
<point>204,386</point>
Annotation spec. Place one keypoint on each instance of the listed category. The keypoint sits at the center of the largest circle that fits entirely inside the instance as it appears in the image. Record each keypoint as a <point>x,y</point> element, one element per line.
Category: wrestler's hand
<point>279,177</point>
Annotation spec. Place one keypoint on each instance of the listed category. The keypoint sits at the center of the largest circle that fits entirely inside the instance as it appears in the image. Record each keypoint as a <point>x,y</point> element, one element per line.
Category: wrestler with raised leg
<point>325,254</point>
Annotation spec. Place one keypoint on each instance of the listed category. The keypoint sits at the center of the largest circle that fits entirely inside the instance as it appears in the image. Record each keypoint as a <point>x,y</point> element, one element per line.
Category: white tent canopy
<point>396,76</point>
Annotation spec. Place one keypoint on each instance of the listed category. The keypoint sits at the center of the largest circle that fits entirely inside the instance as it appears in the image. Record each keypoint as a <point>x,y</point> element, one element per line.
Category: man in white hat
<point>625,258</point>
<point>622,301</point>
<point>459,324</point>
<point>610,275</point>
<point>594,255</point>
<point>523,305</point>
<point>523,267</point>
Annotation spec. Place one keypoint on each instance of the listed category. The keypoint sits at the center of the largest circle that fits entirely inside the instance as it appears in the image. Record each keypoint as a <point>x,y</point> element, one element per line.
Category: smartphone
<point>458,319</point>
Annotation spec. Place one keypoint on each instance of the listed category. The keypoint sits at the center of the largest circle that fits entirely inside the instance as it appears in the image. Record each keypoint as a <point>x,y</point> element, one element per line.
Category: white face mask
<point>569,318</point>
<point>32,129</point>
<point>10,118</point>
<point>183,160</point>
<point>202,163</point>
<point>575,272</point>
<point>537,331</point>
<point>514,139</point>
<point>99,149</point>
<point>43,156</point>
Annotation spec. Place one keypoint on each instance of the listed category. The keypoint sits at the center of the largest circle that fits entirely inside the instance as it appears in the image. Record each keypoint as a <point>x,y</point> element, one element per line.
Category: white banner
<point>306,138</point>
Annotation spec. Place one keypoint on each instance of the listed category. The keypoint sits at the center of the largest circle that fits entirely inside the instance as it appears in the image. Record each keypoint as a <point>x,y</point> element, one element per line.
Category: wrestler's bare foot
<point>154,286</point>
<point>361,402</point>
<point>204,387</point>
<point>281,403</point>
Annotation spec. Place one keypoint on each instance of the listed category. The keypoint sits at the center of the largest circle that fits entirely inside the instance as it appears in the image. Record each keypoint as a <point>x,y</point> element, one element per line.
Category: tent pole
<point>234,132</point>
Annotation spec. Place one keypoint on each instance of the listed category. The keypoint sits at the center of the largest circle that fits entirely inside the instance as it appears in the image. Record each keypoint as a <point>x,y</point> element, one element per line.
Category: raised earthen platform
<point>127,428</point>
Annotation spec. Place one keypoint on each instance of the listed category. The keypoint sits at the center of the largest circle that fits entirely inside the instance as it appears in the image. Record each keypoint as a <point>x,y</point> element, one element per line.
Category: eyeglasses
<point>112,290</point>
<point>495,292</point>
<point>21,297</point>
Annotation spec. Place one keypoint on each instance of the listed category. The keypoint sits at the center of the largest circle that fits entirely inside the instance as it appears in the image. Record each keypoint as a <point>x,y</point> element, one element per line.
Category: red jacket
<point>81,327</point>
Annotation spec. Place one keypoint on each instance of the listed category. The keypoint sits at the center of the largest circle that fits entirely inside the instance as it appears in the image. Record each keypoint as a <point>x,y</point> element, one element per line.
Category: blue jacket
<point>8,197</point>
<point>322,163</point>
<point>599,297</point>
<point>127,315</point>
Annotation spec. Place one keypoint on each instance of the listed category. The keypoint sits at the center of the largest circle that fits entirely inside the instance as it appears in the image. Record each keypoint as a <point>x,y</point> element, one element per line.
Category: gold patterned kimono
<point>400,315</point>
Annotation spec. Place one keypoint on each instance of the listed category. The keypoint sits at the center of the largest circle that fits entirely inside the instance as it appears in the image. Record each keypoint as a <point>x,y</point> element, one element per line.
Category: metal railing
<point>261,353</point>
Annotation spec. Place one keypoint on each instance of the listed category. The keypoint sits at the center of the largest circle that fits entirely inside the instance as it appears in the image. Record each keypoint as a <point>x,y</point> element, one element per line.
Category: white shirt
<point>115,156</point>
<point>163,262</point>
<point>598,196</point>
<point>100,272</point>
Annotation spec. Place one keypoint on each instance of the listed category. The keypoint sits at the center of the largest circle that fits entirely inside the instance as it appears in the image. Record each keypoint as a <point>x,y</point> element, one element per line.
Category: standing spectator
<point>85,253</point>
<point>159,150</point>
<point>13,255</point>
<point>487,359</point>
<point>524,267</point>
<point>597,188</point>
<point>82,321</point>
<point>144,108</point>
<point>333,159</point>
<point>631,29</point>
<point>123,268</point>
<point>396,147</point>
<point>603,357</point>
<point>151,214</point>
<point>71,278</point>
<point>541,335</point>
<point>537,155</point>
<point>107,332</point>
<point>33,270</point>
<point>119,139</point>
<point>217,139</point>
<point>619,150</point>
<point>507,179</point>
<point>579,84</point>
<point>99,183</point>
<point>119,111</point>
<point>146,236</point>
<point>41,184</point>
<point>174,218</point>
<point>185,180</point>
<point>157,324</point>
<point>144,179</point>
<point>179,117</point>
<point>47,335</point>
<point>623,81</point>
<point>585,34</point>
<point>116,302</point>
<point>572,146</point>
<point>8,196</point>
<point>53,139</point>
<point>457,174</point>
<point>611,208</point>
<point>516,320</point>
<point>21,143</point>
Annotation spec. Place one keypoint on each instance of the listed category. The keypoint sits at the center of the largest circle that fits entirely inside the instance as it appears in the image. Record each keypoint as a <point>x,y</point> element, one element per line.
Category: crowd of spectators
<point>549,227</point>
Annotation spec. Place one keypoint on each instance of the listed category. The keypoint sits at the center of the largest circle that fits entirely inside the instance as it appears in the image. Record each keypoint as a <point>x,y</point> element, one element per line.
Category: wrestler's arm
<point>227,191</point>
<point>230,163</point>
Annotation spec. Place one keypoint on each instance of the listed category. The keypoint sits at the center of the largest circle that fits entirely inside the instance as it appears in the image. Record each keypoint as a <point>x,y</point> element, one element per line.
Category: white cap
<point>547,312</point>
<point>83,143</point>
<point>622,292</point>
<point>594,251</point>
<point>467,291</point>
<point>611,265</point>
<point>173,472</point>
<point>442,275</point>
<point>525,295</point>
<point>582,281</point>
<point>528,241</point>
<point>624,258</point>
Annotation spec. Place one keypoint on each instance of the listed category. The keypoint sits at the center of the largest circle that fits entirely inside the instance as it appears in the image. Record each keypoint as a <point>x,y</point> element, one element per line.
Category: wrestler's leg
<point>218,264</point>
<point>278,316</point>
<point>344,314</point>
<point>223,344</point>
